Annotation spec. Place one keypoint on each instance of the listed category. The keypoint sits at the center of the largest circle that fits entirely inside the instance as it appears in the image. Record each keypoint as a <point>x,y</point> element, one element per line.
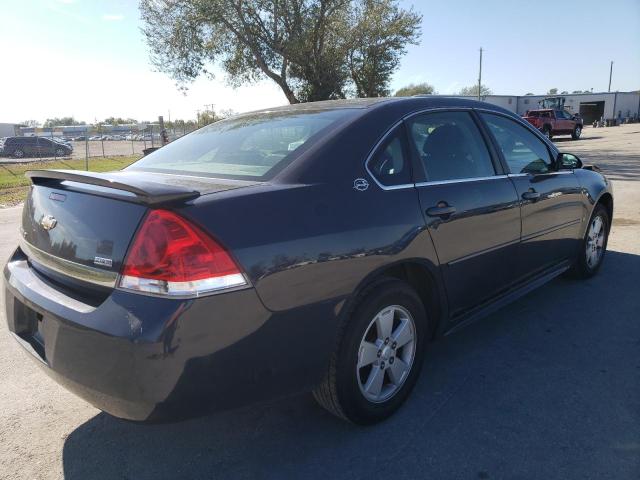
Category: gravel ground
<point>546,388</point>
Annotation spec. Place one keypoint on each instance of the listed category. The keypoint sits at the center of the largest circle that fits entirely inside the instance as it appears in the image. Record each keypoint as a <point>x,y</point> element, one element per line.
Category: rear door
<point>45,146</point>
<point>551,199</point>
<point>471,208</point>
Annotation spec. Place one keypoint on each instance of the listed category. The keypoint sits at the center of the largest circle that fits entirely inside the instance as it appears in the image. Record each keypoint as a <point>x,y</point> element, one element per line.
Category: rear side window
<point>390,165</point>
<point>251,147</point>
<point>450,146</point>
<point>523,151</point>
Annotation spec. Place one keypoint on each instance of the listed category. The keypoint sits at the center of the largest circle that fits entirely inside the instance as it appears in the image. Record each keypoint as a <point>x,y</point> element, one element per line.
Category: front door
<point>471,208</point>
<point>551,200</point>
<point>564,122</point>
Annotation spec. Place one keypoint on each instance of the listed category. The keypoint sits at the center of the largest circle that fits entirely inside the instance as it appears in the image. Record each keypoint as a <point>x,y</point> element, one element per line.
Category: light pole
<point>480,76</point>
<point>610,74</point>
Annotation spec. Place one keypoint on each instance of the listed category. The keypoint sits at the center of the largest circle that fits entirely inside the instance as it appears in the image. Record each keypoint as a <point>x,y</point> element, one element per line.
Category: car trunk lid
<point>77,226</point>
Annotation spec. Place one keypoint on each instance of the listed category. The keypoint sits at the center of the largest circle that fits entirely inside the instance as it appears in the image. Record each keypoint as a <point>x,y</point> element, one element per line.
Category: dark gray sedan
<point>317,247</point>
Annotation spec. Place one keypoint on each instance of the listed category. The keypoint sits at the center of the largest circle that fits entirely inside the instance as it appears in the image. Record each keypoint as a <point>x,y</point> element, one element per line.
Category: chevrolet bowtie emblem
<point>48,222</point>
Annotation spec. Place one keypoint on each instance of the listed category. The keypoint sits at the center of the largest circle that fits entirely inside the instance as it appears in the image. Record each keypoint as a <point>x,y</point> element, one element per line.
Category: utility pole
<point>480,76</point>
<point>610,74</point>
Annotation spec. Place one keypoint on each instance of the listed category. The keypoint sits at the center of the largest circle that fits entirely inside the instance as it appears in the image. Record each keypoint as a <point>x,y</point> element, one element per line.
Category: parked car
<point>555,122</point>
<point>22,147</point>
<point>316,247</point>
<point>81,138</point>
<point>96,138</point>
<point>61,140</point>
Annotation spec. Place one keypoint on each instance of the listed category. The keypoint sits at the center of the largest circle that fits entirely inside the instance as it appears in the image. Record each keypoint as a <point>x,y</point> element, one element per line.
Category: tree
<point>312,49</point>
<point>473,91</point>
<point>376,43</point>
<point>207,117</point>
<point>119,121</point>
<point>564,92</point>
<point>552,91</point>
<point>63,121</point>
<point>416,89</point>
<point>527,94</point>
<point>30,123</point>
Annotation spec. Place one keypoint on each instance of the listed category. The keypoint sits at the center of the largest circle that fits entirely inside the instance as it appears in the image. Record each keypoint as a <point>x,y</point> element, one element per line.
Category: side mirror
<point>567,161</point>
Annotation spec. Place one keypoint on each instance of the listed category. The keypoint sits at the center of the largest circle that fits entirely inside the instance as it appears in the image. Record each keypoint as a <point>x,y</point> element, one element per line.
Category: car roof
<point>408,104</point>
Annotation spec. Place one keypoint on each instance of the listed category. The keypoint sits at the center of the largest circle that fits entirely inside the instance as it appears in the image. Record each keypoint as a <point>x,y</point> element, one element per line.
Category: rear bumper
<point>153,359</point>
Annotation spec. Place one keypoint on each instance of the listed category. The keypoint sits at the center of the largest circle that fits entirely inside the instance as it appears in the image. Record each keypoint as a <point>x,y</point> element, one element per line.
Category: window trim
<point>502,170</point>
<point>376,149</point>
<point>460,180</point>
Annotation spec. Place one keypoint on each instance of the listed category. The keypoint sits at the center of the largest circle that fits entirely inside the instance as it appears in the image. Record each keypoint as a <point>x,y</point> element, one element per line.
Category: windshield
<point>252,147</point>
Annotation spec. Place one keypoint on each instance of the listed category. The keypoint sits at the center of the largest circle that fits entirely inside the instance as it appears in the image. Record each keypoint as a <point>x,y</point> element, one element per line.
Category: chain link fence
<point>86,141</point>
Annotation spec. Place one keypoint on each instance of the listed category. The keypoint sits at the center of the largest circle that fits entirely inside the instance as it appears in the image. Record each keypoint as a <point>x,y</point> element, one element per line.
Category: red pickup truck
<point>555,122</point>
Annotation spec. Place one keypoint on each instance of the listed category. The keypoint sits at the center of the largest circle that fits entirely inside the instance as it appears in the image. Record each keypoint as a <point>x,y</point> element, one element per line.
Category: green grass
<point>14,185</point>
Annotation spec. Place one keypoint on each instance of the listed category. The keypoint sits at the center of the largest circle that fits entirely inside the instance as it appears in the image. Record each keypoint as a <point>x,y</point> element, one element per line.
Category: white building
<point>7,129</point>
<point>590,106</point>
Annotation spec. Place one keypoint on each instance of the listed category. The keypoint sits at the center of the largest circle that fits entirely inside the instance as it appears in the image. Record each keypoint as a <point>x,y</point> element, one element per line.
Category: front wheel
<point>378,355</point>
<point>594,244</point>
<point>18,153</point>
<point>546,131</point>
<point>576,132</point>
<point>60,152</point>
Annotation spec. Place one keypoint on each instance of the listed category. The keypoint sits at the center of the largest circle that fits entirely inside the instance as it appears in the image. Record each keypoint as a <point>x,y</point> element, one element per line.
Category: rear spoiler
<point>144,191</point>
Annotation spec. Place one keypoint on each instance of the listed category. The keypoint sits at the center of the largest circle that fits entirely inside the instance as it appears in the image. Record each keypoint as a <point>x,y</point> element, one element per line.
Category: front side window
<point>390,164</point>
<point>450,146</point>
<point>252,147</point>
<point>523,151</point>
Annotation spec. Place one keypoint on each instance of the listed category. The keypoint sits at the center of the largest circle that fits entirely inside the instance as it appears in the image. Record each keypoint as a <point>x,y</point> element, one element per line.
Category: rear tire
<point>546,131</point>
<point>594,244</point>
<point>576,132</point>
<point>381,344</point>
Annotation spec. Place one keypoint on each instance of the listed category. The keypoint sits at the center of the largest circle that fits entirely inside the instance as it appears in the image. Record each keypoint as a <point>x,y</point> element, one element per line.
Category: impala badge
<point>107,262</point>
<point>360,184</point>
<point>48,222</point>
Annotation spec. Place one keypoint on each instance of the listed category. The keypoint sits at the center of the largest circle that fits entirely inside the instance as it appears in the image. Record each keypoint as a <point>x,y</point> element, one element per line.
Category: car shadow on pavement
<point>548,387</point>
<point>569,139</point>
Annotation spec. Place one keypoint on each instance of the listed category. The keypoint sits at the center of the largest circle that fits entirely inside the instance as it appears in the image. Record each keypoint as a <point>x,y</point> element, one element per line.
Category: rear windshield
<point>250,147</point>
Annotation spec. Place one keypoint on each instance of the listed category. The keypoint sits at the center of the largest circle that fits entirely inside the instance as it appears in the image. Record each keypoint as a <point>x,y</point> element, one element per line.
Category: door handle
<point>531,195</point>
<point>441,210</point>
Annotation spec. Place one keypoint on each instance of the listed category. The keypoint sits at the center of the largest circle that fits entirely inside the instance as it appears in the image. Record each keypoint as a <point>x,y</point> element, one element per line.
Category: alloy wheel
<point>595,242</point>
<point>386,353</point>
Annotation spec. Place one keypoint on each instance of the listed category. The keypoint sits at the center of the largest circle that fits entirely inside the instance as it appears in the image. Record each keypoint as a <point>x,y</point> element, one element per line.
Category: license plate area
<point>29,326</point>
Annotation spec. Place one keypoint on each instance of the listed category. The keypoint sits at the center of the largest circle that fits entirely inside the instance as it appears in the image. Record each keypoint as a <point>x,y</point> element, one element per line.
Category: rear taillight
<point>171,256</point>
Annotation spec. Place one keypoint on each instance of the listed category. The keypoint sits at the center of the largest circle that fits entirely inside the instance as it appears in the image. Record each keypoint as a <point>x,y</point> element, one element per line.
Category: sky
<point>88,58</point>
